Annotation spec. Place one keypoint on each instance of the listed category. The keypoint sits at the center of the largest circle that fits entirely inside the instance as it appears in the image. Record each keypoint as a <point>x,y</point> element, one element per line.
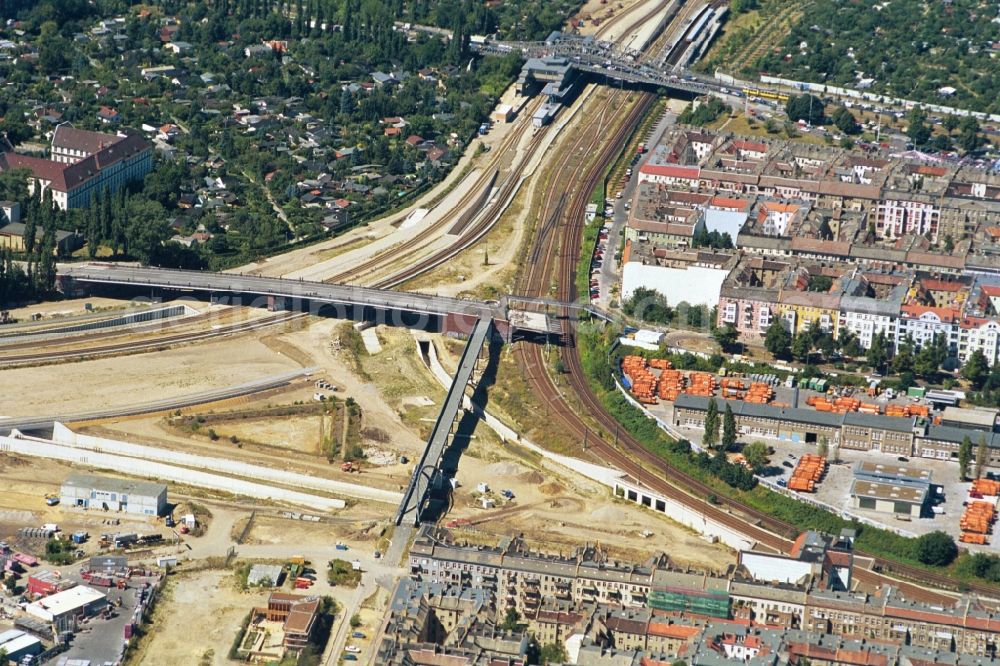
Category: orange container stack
<point>660,364</point>
<point>701,383</point>
<point>896,410</point>
<point>917,410</point>
<point>643,381</point>
<point>978,518</point>
<point>986,487</point>
<point>760,393</point>
<point>869,408</point>
<point>807,473</point>
<point>972,537</point>
<point>671,384</point>
<point>845,404</point>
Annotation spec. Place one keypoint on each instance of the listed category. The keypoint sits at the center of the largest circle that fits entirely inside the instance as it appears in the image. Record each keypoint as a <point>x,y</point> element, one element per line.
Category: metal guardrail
<point>123,320</point>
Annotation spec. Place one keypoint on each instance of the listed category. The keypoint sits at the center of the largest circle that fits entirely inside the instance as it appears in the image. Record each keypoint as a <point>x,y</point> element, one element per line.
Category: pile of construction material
<point>906,411</point>
<point>846,404</point>
<point>977,522</point>
<point>702,384</point>
<point>808,473</point>
<point>641,381</point>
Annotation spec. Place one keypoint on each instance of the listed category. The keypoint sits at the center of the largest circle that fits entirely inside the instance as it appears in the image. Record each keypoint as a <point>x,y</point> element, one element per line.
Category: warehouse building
<point>853,430</point>
<point>17,645</point>
<point>64,609</point>
<point>902,491</point>
<point>88,491</point>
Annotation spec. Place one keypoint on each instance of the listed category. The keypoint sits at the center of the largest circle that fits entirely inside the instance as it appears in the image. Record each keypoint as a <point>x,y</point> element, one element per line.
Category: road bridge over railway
<point>394,308</point>
<point>481,322</point>
<point>604,60</point>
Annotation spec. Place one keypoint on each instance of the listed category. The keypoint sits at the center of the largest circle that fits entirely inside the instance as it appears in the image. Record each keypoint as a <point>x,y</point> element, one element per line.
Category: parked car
<point>353,648</point>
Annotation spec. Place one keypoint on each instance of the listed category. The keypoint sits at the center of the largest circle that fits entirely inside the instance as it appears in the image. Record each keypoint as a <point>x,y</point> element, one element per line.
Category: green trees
<point>801,346</point>
<point>728,430</point>
<point>805,107</point>
<point>707,111</point>
<point>552,653</point>
<point>936,549</point>
<point>726,336</point>
<point>981,452</point>
<point>778,340</point>
<point>756,454</point>
<point>969,138</point>
<point>917,128</point>
<point>711,437</point>
<point>976,369</point>
<point>845,122</point>
<point>511,620</point>
<point>878,353</point>
<point>964,457</point>
<point>648,305</point>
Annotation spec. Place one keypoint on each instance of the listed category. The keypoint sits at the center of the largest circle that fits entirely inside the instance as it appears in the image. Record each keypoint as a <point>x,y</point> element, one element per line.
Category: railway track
<point>382,260</point>
<point>559,264</point>
<point>153,344</point>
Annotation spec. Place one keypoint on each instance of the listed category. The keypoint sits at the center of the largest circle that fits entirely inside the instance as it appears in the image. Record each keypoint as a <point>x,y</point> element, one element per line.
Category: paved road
<point>610,275</point>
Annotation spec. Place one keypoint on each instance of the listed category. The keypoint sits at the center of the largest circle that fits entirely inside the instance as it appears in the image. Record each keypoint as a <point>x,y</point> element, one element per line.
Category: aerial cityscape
<point>499,332</point>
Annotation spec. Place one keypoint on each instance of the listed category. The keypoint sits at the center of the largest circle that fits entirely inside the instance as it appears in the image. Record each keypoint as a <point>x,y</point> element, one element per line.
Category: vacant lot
<point>197,620</point>
<point>128,380</point>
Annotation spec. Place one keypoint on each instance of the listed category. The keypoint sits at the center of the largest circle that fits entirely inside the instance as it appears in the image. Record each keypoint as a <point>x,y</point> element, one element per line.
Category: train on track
<point>762,93</point>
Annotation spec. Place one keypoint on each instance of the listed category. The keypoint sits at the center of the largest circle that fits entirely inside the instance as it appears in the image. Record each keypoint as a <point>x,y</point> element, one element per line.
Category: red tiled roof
<point>941,285</point>
<point>670,630</point>
<point>727,203</point>
<point>68,137</point>
<point>65,177</point>
<point>946,315</point>
<point>670,171</point>
<point>752,146</point>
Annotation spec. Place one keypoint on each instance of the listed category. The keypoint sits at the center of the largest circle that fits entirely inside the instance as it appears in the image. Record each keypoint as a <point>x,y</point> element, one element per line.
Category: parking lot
<point>101,640</point>
<point>835,488</point>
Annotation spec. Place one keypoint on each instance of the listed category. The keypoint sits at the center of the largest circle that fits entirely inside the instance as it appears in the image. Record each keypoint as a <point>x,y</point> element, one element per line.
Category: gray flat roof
<point>112,485</point>
<point>799,414</point>
<point>911,492</point>
<point>955,435</point>
<point>981,418</point>
<point>873,471</point>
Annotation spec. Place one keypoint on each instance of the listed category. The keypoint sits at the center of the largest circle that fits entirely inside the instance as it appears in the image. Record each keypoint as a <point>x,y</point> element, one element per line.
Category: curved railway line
<point>147,345</point>
<point>628,454</point>
<point>386,258</point>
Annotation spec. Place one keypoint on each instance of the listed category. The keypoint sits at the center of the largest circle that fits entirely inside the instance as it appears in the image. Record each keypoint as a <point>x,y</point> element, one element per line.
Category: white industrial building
<point>698,285</point>
<point>88,491</point>
<point>63,609</point>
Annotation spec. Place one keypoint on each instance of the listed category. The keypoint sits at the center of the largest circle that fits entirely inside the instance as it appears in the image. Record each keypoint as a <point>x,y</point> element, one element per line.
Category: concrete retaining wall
<point>154,470</point>
<point>66,437</point>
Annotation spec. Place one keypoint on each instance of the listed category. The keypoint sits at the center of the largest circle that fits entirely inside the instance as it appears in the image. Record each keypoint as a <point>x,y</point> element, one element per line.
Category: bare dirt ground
<point>297,433</point>
<point>127,380</point>
<point>212,609</point>
<point>24,482</point>
<point>72,307</point>
<point>562,510</point>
